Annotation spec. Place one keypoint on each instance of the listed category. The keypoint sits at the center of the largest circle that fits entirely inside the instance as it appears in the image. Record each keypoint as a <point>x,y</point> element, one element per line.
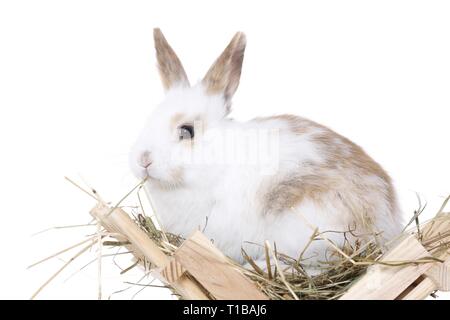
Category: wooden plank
<point>436,278</point>
<point>388,282</point>
<point>440,274</point>
<point>212,269</point>
<point>422,290</point>
<point>379,280</point>
<point>172,271</point>
<point>118,221</point>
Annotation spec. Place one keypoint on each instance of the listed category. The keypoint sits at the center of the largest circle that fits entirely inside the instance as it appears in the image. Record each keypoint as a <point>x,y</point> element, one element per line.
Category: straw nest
<point>291,281</point>
<point>337,274</point>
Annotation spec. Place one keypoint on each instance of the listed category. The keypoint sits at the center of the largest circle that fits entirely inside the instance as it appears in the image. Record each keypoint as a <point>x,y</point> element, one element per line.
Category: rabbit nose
<point>145,160</point>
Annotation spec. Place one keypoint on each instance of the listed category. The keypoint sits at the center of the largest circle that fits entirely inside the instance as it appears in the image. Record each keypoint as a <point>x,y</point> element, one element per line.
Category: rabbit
<point>311,179</point>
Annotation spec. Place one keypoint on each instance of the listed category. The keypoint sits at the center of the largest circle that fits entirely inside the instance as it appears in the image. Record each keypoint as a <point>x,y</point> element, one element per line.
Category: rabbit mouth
<point>173,182</point>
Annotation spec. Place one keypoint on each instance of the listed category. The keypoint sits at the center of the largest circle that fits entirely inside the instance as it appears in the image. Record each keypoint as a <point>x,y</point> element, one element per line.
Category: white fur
<point>224,199</point>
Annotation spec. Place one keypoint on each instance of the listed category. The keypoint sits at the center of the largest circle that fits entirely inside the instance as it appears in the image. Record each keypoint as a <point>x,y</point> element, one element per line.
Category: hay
<point>292,281</point>
<point>284,277</point>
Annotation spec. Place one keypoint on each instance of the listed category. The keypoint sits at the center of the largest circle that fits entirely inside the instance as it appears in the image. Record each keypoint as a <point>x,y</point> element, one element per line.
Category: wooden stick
<point>421,291</point>
<point>213,270</point>
<point>440,274</point>
<point>118,220</point>
<point>437,278</point>
<point>409,281</point>
<point>388,282</point>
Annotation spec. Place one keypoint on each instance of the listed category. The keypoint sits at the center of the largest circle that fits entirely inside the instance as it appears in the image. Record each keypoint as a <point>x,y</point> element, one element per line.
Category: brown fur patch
<point>170,67</point>
<point>343,175</point>
<point>291,191</point>
<point>357,160</point>
<point>296,124</point>
<point>224,74</point>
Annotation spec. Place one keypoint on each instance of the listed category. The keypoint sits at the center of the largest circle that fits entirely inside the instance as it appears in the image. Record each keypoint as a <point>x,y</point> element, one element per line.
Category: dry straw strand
<point>292,282</point>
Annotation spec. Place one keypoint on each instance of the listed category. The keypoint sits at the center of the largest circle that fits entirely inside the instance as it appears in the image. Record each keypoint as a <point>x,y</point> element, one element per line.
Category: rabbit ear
<point>170,67</point>
<point>224,74</point>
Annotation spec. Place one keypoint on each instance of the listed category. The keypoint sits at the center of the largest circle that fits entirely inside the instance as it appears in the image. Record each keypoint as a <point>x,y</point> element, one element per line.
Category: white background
<point>78,78</point>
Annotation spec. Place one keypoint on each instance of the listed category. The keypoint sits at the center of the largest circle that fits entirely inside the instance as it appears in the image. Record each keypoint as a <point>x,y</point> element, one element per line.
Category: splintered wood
<point>212,269</point>
<point>410,281</point>
<point>412,269</point>
<point>197,271</point>
<point>118,221</point>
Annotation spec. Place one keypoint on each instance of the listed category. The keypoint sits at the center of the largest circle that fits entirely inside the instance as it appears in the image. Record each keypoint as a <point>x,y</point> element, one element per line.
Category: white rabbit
<point>293,176</point>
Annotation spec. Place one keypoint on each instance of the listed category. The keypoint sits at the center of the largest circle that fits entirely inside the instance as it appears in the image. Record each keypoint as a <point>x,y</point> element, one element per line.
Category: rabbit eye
<point>186,132</point>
